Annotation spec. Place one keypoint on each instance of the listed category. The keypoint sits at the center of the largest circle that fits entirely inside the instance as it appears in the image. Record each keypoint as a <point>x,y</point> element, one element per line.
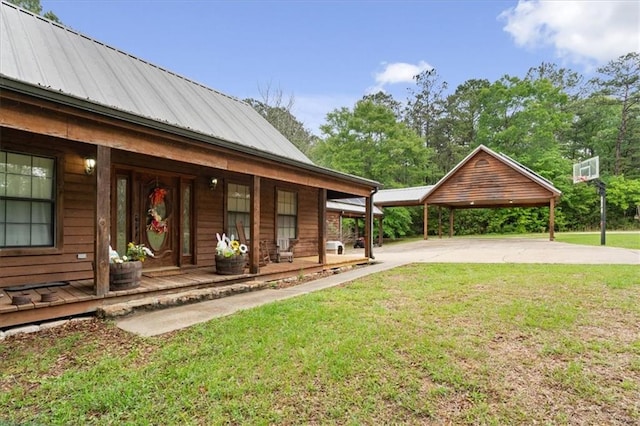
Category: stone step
<point>151,303</point>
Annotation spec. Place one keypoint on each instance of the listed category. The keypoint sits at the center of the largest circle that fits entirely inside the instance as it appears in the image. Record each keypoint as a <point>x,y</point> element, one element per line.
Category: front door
<point>154,210</point>
<point>158,215</point>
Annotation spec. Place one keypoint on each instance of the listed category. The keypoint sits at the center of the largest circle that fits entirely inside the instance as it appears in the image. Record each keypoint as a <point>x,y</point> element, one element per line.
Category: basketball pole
<point>602,191</point>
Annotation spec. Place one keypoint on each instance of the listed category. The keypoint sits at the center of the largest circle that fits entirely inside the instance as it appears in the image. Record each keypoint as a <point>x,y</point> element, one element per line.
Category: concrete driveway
<point>504,250</point>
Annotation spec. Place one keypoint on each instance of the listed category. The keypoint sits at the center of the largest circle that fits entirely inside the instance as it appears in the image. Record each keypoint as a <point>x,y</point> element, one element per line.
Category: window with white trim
<point>238,208</point>
<point>27,200</point>
<point>287,214</point>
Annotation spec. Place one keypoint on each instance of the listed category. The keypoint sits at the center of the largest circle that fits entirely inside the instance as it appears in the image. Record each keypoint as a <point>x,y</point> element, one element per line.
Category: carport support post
<point>440,222</point>
<point>552,215</point>
<point>451,223</point>
<point>426,221</point>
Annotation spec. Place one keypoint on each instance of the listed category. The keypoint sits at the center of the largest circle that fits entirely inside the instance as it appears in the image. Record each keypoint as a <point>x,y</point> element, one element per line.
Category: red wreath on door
<point>157,224</point>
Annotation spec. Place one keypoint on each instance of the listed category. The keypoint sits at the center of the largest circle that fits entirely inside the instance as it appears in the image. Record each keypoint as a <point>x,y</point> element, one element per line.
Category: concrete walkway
<point>457,250</point>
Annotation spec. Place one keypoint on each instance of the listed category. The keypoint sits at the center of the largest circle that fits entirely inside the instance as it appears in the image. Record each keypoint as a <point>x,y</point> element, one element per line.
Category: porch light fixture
<point>89,165</point>
<point>213,182</point>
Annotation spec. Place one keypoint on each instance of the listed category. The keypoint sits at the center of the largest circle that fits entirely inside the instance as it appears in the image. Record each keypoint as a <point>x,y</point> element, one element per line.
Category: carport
<point>486,179</point>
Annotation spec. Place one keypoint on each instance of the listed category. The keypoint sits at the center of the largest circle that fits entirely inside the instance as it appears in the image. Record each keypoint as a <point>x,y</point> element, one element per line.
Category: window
<point>287,214</point>
<point>27,200</point>
<point>238,208</point>
<point>186,220</point>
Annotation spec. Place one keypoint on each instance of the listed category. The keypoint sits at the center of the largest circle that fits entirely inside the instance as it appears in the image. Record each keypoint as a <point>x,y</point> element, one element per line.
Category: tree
<point>277,112</point>
<point>426,105</point>
<point>35,7</point>
<point>371,143</point>
<point>620,84</point>
<point>456,131</point>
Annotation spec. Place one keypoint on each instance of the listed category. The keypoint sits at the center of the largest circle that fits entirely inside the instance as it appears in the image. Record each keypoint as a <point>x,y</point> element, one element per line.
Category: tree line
<point>547,120</point>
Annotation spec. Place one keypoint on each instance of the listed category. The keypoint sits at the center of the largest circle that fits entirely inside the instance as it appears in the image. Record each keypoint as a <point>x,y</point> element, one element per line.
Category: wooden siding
<point>486,181</point>
<point>76,201</point>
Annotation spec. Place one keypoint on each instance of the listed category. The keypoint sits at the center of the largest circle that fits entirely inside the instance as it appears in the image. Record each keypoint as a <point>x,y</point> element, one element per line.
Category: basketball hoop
<point>586,170</point>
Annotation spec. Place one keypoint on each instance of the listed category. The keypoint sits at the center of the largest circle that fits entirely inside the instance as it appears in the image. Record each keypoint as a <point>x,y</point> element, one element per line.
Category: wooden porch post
<point>102,220</point>
<point>380,232</point>
<point>451,223</point>
<point>426,220</point>
<point>322,226</point>
<point>254,250</point>
<point>440,222</point>
<point>552,208</point>
<point>368,228</point>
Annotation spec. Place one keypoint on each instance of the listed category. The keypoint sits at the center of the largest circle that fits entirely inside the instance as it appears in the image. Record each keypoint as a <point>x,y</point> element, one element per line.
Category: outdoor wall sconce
<point>89,165</point>
<point>213,182</point>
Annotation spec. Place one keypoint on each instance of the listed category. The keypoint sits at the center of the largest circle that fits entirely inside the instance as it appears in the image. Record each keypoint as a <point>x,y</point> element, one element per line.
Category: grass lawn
<point>630,240</point>
<point>428,343</point>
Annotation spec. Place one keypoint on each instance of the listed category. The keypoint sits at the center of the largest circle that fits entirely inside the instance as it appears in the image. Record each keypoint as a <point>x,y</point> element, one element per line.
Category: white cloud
<point>312,109</point>
<point>397,72</point>
<point>585,32</point>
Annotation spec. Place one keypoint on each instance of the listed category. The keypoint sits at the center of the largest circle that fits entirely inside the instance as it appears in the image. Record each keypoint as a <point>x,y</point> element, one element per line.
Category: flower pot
<point>124,276</point>
<point>233,265</point>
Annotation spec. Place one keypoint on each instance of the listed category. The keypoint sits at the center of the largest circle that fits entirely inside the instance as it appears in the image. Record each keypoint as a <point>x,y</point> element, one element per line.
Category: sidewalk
<point>166,320</point>
<point>431,251</point>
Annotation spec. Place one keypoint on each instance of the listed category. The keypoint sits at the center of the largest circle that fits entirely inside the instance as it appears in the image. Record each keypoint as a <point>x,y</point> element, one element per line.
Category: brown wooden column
<point>439,221</point>
<point>380,231</point>
<point>102,220</point>
<point>368,227</point>
<point>322,226</point>
<point>425,226</point>
<point>552,215</point>
<point>451,223</point>
<point>254,250</point>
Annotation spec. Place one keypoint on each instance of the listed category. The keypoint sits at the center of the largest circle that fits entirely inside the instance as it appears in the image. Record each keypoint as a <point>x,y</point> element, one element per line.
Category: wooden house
<point>99,148</point>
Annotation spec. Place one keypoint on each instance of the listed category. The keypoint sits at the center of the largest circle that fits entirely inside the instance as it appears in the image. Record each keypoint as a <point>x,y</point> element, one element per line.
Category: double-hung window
<point>27,200</point>
<point>287,215</point>
<point>238,209</point>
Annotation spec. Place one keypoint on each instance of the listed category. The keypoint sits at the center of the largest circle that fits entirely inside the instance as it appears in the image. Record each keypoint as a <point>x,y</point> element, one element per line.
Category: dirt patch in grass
<point>31,357</point>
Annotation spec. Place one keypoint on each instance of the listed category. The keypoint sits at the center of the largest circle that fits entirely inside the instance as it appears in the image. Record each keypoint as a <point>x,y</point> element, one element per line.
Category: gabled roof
<point>53,62</point>
<point>412,196</point>
<point>476,183</point>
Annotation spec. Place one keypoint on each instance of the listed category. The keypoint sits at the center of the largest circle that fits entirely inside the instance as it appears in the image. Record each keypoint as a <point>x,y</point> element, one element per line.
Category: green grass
<point>429,343</point>
<point>630,240</point>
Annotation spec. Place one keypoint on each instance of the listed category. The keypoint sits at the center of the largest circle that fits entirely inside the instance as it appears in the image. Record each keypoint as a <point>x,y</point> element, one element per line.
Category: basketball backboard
<point>586,170</point>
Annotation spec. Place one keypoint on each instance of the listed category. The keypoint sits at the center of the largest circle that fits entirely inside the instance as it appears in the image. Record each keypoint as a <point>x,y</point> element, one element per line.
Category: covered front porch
<point>48,301</point>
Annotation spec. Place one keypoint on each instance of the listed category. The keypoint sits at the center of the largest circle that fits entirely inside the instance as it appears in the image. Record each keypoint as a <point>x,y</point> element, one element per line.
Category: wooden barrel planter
<point>233,265</point>
<point>124,276</point>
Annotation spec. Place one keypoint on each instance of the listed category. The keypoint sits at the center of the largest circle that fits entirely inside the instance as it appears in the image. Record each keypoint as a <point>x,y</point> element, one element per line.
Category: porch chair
<point>265,257</point>
<point>284,249</point>
<point>264,248</point>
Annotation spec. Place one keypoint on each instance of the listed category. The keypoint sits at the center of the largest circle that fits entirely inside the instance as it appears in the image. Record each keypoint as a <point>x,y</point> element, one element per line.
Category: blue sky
<point>328,54</point>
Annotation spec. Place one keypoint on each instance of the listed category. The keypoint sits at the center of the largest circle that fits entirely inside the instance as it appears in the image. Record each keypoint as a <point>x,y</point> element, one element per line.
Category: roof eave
<point>7,83</point>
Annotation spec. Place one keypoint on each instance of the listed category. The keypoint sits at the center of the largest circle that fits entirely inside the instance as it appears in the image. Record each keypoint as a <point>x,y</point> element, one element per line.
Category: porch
<point>31,304</point>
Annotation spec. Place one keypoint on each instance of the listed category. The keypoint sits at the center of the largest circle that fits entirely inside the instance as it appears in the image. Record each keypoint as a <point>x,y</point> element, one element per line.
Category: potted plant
<point>125,271</point>
<point>231,256</point>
